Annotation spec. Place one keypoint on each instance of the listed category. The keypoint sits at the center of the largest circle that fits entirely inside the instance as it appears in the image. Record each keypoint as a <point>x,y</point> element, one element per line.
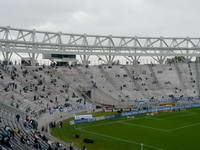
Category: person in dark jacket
<point>18,117</point>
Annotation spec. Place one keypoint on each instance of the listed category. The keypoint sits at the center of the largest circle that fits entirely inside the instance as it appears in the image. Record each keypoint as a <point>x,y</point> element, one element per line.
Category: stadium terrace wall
<point>157,109</point>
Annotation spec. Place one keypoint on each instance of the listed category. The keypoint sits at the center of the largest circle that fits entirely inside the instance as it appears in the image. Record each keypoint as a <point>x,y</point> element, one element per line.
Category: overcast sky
<point>116,17</point>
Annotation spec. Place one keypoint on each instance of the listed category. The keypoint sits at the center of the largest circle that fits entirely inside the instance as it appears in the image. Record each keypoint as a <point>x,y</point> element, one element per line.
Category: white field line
<point>113,122</point>
<point>176,116</point>
<point>119,139</point>
<point>154,118</point>
<point>144,126</point>
<point>102,124</point>
<point>186,126</point>
<point>138,125</point>
<point>123,122</point>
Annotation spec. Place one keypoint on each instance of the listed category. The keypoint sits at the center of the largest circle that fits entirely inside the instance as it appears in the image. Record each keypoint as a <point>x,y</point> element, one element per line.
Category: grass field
<point>167,131</point>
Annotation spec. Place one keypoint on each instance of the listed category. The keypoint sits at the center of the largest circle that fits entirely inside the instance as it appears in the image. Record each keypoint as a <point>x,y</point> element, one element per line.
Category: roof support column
<point>33,56</point>
<point>134,60</point>
<point>110,59</point>
<point>85,59</point>
<point>7,55</point>
<point>160,59</point>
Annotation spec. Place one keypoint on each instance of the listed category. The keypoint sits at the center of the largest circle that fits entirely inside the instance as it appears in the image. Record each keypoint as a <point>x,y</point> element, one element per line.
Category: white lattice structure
<point>33,42</point>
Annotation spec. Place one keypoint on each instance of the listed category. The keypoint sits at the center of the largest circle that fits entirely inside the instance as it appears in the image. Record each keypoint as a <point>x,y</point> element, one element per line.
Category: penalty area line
<point>186,126</point>
<point>112,122</point>
<point>143,126</point>
<point>119,139</point>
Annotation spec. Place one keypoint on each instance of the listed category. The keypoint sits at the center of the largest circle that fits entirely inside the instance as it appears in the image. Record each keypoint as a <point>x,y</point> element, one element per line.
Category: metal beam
<point>42,42</point>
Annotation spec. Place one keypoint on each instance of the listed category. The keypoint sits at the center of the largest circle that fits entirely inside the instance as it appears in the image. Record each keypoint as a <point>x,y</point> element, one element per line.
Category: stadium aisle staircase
<point>138,86</point>
<point>97,91</point>
<point>179,74</point>
<point>109,79</point>
<point>60,75</point>
<point>154,76</point>
<point>197,78</point>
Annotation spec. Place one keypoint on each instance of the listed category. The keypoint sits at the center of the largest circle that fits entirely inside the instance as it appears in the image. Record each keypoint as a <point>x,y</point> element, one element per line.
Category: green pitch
<point>167,131</point>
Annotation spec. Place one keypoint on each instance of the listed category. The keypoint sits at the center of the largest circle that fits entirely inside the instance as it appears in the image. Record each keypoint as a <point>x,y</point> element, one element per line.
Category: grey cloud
<point>119,17</point>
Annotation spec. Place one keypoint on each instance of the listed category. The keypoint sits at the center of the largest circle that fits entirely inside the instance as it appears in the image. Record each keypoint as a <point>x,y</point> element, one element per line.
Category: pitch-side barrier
<point>134,112</point>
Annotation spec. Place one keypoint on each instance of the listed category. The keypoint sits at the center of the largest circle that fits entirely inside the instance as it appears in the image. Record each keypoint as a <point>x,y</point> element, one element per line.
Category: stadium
<point>121,102</point>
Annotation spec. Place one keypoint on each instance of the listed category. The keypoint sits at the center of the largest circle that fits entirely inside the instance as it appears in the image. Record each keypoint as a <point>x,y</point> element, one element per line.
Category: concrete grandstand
<point>35,96</point>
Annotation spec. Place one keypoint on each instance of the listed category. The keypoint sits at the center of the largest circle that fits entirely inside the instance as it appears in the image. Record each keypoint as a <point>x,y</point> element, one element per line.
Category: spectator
<point>18,117</point>
<point>61,124</point>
